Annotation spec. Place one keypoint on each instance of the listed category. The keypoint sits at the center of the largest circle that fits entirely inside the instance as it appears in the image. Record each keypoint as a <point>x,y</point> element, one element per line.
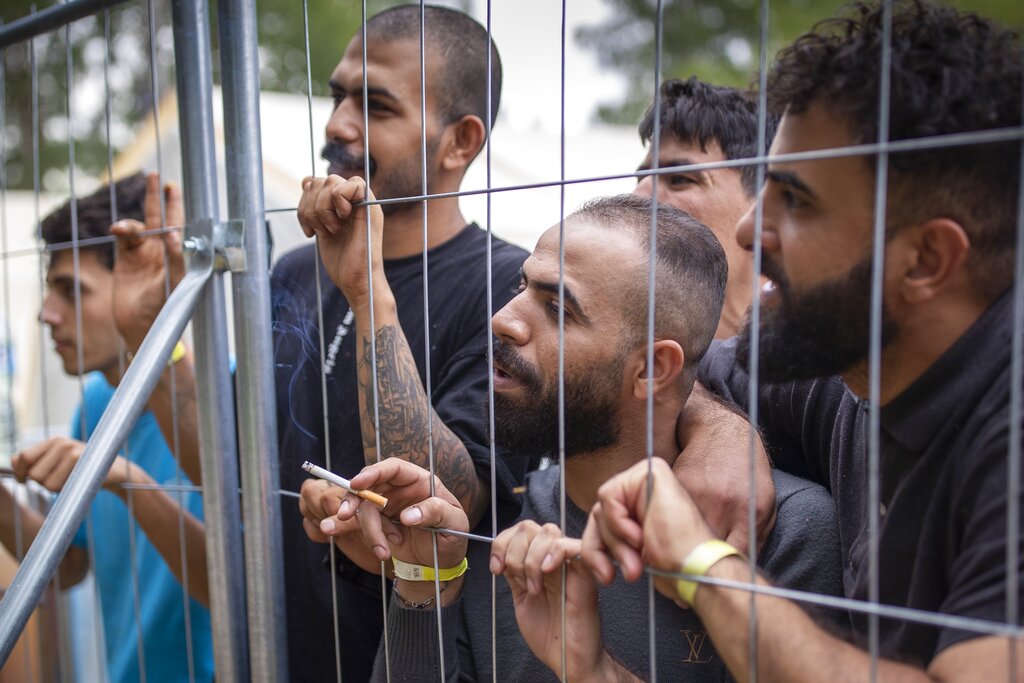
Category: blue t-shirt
<point>161,602</point>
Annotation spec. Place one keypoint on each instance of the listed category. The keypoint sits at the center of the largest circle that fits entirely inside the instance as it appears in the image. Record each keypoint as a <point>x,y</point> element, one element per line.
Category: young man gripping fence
<point>947,291</point>
<point>108,297</point>
<point>606,381</point>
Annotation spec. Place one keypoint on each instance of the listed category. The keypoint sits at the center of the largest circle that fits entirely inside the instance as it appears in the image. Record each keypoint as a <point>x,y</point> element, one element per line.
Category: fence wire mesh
<point>395,349</point>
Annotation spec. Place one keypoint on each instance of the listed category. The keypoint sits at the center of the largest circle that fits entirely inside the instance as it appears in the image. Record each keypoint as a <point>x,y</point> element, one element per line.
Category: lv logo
<point>696,640</point>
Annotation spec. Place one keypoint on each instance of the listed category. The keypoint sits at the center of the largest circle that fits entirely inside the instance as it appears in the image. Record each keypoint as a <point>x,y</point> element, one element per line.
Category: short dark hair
<point>461,42</point>
<point>952,72</point>
<point>696,112</point>
<point>690,275</point>
<point>94,216</point>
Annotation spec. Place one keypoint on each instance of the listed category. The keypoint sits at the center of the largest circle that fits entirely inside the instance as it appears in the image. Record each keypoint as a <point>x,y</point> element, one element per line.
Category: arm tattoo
<point>405,413</point>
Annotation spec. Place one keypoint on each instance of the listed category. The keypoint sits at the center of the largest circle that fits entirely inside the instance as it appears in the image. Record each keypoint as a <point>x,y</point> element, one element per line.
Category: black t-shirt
<point>459,373</point>
<point>943,479</point>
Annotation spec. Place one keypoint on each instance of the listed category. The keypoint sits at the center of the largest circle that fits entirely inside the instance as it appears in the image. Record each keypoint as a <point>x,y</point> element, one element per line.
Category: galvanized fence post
<point>257,428</point>
<point>218,446</point>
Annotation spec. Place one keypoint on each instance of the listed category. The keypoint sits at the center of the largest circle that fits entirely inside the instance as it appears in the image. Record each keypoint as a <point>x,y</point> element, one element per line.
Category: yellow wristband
<point>177,354</point>
<point>418,572</point>
<point>698,562</point>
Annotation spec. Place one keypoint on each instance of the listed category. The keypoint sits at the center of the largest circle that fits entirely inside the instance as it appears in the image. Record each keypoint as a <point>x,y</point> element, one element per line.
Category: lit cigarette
<point>344,483</point>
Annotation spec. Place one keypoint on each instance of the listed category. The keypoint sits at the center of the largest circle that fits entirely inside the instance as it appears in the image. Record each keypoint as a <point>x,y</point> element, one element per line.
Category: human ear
<point>932,255</point>
<point>462,140</point>
<point>669,360</point>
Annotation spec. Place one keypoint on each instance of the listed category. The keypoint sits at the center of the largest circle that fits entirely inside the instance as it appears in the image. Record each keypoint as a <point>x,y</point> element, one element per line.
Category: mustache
<point>338,155</point>
<point>512,363</point>
<point>773,272</point>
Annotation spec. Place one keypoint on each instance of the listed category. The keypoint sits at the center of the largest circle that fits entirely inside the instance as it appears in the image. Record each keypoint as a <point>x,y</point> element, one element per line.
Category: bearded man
<point>606,379</point>
<point>946,522</point>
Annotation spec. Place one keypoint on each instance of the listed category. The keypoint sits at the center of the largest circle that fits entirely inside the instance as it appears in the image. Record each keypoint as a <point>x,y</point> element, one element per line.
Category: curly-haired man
<point>946,522</point>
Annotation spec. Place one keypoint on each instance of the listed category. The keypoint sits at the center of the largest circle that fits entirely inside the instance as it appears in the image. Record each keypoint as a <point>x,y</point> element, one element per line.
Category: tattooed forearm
<point>408,421</point>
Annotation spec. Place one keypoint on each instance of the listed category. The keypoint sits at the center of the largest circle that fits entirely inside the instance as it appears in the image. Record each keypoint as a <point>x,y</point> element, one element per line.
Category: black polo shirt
<point>943,474</point>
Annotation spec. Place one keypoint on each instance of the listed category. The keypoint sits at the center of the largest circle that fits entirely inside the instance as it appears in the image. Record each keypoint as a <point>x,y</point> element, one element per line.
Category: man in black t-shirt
<point>945,517</point>
<point>455,370</point>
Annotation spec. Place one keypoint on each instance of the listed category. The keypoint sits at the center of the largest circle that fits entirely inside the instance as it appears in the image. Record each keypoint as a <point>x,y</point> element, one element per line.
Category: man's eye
<point>680,180</point>
<point>338,99</point>
<point>791,200</point>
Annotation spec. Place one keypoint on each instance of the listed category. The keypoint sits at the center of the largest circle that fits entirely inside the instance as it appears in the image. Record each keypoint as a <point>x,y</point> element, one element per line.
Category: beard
<point>404,179</point>
<point>820,332</point>
<point>529,425</point>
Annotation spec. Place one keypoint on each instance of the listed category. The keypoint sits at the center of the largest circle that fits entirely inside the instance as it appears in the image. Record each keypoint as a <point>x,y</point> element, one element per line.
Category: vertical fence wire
<point>652,271</point>
<point>331,553</point>
<point>175,444</point>
<point>44,397</point>
<point>752,451</point>
<point>128,454</point>
<point>875,344</point>
<point>489,274</point>
<point>130,494</point>
<point>79,358</point>
<point>8,340</point>
<point>44,408</point>
<point>1013,463</point>
<point>44,394</point>
<point>374,370</point>
<point>561,324</point>
<point>426,318</point>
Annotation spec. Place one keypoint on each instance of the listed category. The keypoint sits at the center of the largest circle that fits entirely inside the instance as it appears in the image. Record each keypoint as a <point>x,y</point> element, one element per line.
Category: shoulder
<point>471,245</point>
<point>96,390</point>
<point>797,494</point>
<point>803,549</point>
<point>298,261</point>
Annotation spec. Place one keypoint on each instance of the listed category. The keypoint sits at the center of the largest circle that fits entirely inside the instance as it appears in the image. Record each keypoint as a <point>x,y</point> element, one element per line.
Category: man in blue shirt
<point>160,631</point>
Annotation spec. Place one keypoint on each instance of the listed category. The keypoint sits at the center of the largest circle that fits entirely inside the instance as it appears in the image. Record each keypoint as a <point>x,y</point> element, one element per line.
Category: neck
<point>921,341</point>
<point>586,472</point>
<point>113,373</point>
<point>403,229</point>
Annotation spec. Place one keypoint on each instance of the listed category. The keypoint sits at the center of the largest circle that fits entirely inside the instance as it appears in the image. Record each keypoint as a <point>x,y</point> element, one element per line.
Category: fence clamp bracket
<point>227,238</point>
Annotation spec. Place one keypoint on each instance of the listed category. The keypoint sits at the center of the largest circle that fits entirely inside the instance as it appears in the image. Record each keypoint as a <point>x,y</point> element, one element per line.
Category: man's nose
<point>745,228</point>
<point>48,313</point>
<point>346,123</point>
<point>509,327</point>
<point>644,186</point>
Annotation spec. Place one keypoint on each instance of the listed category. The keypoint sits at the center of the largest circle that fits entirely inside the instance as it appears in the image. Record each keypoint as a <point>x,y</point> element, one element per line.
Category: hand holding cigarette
<point>413,508</point>
<point>344,483</point>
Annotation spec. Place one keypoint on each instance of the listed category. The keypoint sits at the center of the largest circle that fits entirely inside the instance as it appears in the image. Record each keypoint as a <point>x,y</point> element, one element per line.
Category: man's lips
<point>770,293</point>
<point>345,171</point>
<point>503,380</point>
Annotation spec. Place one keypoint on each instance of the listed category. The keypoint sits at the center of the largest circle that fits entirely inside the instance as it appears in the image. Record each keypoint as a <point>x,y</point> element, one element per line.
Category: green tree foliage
<point>116,42</point>
<point>716,40</point>
<point>127,53</point>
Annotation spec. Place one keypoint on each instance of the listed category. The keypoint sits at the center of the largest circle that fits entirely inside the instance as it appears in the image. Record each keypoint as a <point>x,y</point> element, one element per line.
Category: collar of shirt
<point>950,388</point>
